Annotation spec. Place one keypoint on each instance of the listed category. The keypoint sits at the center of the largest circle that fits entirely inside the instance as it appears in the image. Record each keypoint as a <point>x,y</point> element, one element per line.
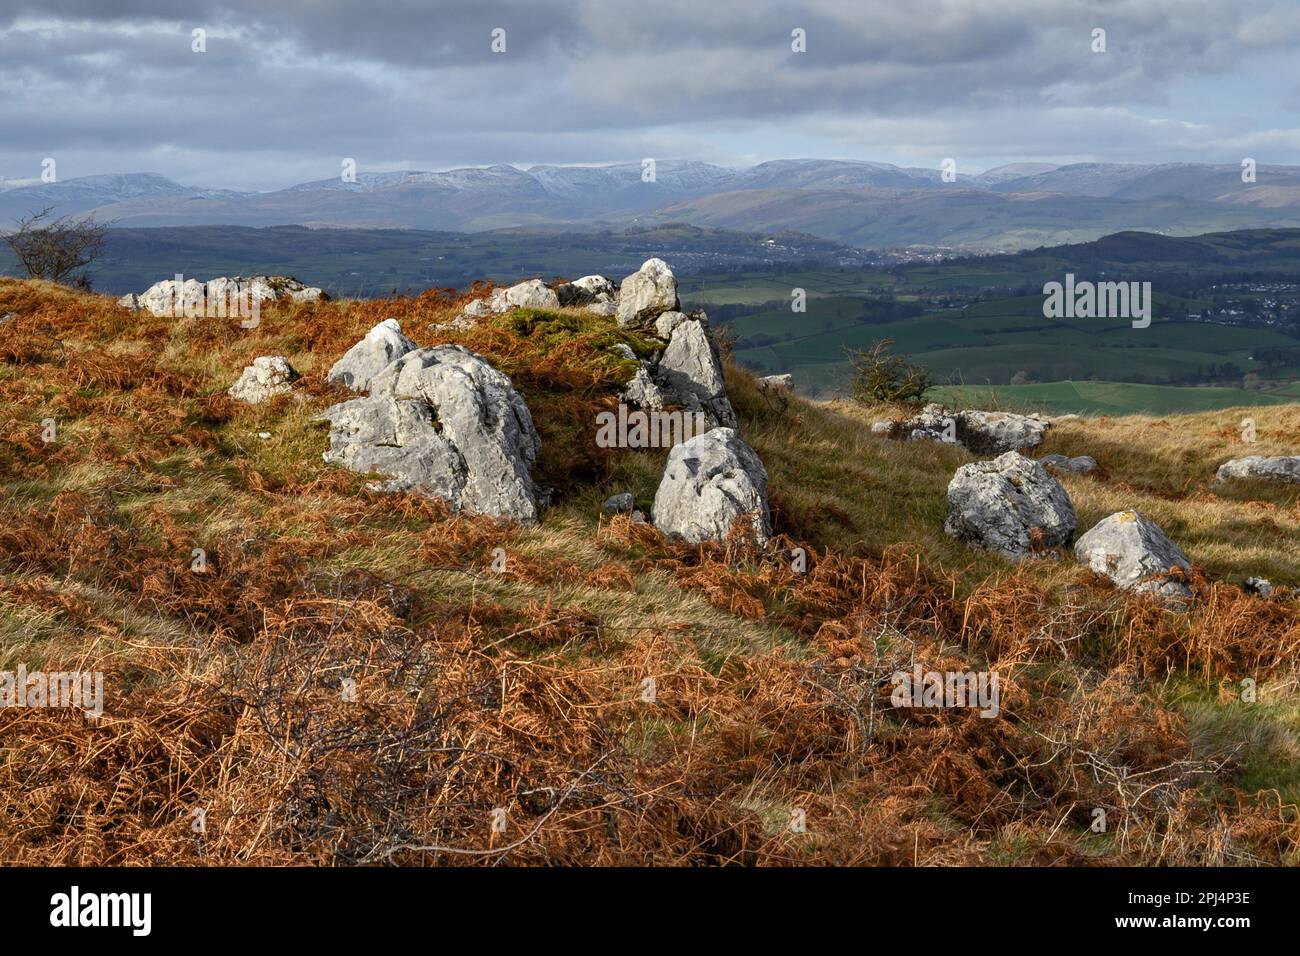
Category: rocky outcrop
<point>442,422</point>
<point>166,298</point>
<point>1131,550</point>
<point>1010,506</point>
<point>775,383</point>
<point>623,502</point>
<point>268,376</point>
<point>689,372</point>
<point>1078,465</point>
<point>647,294</point>
<point>1283,468</point>
<point>214,297</point>
<point>477,309</point>
<point>596,294</point>
<point>984,433</point>
<point>381,346</point>
<point>1262,587</point>
<point>709,482</point>
<point>532,294</point>
<point>644,392</point>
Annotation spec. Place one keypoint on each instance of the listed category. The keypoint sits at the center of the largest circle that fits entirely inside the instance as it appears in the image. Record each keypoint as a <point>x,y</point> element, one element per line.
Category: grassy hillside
<point>524,690</point>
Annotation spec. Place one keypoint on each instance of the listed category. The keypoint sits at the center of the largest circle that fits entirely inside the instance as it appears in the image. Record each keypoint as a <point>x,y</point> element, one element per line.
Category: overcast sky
<point>286,90</point>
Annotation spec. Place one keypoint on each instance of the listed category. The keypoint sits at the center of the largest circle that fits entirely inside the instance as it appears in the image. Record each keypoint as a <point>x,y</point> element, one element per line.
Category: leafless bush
<point>57,250</point>
<point>880,376</point>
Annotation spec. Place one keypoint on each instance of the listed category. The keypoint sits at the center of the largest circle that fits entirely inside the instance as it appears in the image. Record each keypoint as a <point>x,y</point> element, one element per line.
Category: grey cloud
<point>113,84</point>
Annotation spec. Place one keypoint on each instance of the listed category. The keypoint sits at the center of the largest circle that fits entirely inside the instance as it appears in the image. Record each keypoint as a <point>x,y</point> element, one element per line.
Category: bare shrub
<point>57,250</point>
<point>881,376</point>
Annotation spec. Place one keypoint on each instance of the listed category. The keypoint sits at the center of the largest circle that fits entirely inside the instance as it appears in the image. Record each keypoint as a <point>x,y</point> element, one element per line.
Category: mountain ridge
<point>864,203</point>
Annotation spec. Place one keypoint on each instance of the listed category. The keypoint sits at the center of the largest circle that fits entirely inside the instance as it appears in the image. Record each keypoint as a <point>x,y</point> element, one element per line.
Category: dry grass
<point>350,682</point>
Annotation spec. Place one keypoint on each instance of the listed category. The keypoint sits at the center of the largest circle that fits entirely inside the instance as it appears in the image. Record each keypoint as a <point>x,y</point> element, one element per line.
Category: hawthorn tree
<point>58,250</point>
<point>881,376</point>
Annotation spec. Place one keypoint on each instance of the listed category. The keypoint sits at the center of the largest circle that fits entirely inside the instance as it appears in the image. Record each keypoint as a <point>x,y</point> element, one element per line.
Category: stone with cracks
<point>1131,549</point>
<point>689,372</point>
<point>214,297</point>
<point>268,376</point>
<point>644,392</point>
<point>709,482</point>
<point>381,346</point>
<point>984,433</point>
<point>619,503</point>
<point>1283,468</point>
<point>166,298</point>
<point>1010,506</point>
<point>442,422</point>
<point>1260,586</point>
<point>532,294</point>
<point>477,309</point>
<point>1079,465</point>
<point>603,305</point>
<point>647,294</point>
<point>667,323</point>
<point>594,293</point>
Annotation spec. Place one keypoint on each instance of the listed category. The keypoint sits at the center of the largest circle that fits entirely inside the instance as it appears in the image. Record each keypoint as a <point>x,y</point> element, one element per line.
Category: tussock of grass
<point>526,688</point>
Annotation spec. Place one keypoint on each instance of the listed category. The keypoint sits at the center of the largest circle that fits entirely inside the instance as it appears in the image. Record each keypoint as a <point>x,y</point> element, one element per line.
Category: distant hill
<point>374,262</point>
<point>861,203</point>
<point>964,217</point>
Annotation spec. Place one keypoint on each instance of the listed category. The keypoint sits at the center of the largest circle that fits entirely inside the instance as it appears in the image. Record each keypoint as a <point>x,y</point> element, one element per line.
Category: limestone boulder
<point>381,346</point>
<point>689,372</point>
<point>646,294</point>
<point>1131,550</point>
<point>980,432</point>
<point>1010,506</point>
<point>218,296</point>
<point>442,422</point>
<point>1281,468</point>
<point>532,294</point>
<point>268,376</point>
<point>708,483</point>
<point>1078,465</point>
<point>594,293</point>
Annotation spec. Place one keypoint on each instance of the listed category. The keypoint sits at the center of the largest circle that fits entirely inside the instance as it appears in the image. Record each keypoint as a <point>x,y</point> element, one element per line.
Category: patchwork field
<point>980,322</point>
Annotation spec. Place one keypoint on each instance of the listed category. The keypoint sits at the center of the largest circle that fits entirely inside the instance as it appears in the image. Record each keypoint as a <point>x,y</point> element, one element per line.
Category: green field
<point>776,286</point>
<point>982,323</point>
<point>993,342</point>
<point>1106,398</point>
